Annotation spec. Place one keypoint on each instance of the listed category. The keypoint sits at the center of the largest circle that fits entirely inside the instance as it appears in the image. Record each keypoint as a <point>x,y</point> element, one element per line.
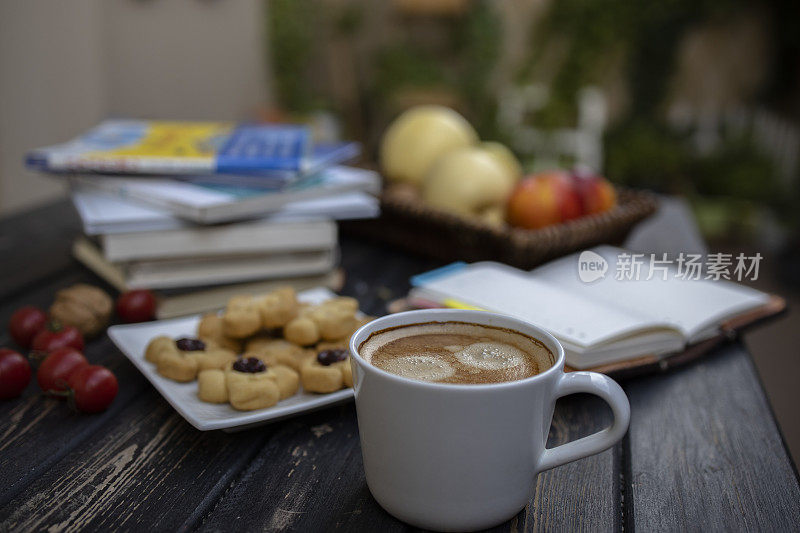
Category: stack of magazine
<point>204,210</point>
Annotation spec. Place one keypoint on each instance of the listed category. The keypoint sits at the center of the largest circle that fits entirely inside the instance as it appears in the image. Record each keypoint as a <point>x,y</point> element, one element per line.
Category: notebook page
<point>565,313</point>
<point>690,306</point>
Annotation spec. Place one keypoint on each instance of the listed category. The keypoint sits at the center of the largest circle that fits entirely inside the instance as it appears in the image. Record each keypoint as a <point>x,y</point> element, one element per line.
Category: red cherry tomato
<point>25,323</point>
<point>94,388</point>
<point>55,336</point>
<point>136,306</point>
<point>15,374</point>
<point>55,370</point>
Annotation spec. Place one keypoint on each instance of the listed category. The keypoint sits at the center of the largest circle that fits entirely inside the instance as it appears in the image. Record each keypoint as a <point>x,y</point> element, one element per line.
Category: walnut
<point>84,306</point>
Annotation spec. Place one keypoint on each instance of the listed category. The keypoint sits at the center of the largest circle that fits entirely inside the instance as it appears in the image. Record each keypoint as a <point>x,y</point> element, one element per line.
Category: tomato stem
<point>37,356</point>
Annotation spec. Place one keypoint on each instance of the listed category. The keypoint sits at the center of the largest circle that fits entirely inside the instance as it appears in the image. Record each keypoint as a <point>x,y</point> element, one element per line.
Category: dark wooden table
<point>703,451</point>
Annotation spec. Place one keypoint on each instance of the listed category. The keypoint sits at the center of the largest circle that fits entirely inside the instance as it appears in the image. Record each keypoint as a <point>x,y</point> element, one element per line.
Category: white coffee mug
<point>465,457</point>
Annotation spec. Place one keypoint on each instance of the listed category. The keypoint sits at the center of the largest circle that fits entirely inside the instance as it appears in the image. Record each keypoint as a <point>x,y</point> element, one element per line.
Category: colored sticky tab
<point>455,304</point>
<point>427,277</point>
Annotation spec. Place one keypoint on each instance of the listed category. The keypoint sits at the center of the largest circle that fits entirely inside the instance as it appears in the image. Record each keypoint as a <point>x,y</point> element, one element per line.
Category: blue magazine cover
<point>181,148</point>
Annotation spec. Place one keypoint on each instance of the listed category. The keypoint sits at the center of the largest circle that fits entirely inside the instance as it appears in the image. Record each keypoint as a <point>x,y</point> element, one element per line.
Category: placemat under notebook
<point>408,223</point>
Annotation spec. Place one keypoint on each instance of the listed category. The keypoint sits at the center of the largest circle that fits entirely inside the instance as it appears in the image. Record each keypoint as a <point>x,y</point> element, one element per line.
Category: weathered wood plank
<point>39,292</point>
<point>310,477</point>
<point>41,417</point>
<point>705,453</point>
<point>147,469</point>
<point>583,495</point>
<point>376,274</point>
<point>38,431</point>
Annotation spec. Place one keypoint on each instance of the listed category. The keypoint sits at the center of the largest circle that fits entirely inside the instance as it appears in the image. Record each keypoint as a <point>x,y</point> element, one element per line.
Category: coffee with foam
<point>456,352</point>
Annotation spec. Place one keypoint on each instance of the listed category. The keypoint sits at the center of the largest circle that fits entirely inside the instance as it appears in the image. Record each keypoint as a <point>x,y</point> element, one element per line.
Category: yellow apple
<point>418,137</point>
<point>467,181</point>
<point>505,157</point>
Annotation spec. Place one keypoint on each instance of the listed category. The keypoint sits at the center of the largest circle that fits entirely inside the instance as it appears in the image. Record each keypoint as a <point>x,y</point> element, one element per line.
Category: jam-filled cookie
<point>278,307</point>
<point>287,379</point>
<point>344,342</point>
<point>250,386</point>
<point>302,330</point>
<point>156,346</point>
<point>214,358</point>
<point>279,352</point>
<point>340,344</point>
<point>334,323</point>
<point>211,386</point>
<point>335,318</point>
<point>343,303</point>
<point>259,342</point>
<point>179,362</point>
<point>329,371</point>
<point>330,320</point>
<point>241,317</point>
<point>210,329</point>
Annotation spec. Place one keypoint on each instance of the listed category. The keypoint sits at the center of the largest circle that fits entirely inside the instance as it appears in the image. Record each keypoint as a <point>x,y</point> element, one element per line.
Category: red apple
<point>596,193</point>
<point>543,199</point>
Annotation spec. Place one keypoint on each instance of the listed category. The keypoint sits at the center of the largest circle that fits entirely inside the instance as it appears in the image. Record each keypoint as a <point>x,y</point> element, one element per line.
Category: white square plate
<point>133,339</point>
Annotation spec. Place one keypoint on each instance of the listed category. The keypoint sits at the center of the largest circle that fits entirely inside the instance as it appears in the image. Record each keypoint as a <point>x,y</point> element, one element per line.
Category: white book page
<point>174,192</point>
<point>567,314</point>
<point>342,206</point>
<point>691,306</point>
<point>107,213</point>
<point>98,208</point>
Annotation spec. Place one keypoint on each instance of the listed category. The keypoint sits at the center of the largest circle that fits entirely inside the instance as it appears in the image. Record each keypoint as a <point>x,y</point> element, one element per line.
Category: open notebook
<point>601,322</point>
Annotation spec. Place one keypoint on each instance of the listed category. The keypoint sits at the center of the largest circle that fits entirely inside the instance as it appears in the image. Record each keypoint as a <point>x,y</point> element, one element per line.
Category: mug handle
<point>607,389</point>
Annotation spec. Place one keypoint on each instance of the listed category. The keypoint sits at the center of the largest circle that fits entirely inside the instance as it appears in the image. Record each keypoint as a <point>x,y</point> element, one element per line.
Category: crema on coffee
<point>456,352</point>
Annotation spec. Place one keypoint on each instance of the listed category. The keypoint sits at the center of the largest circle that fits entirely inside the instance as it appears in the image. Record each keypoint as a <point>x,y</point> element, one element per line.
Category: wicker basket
<point>408,223</point>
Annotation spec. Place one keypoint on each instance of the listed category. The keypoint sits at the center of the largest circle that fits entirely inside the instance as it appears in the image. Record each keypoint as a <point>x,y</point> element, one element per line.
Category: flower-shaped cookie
<point>213,358</point>
<point>329,371</point>
<point>241,317</point>
<point>331,320</point>
<point>344,342</point>
<point>210,330</point>
<point>177,361</point>
<point>287,379</point>
<point>278,307</point>
<point>156,346</point>
<point>181,360</point>
<point>277,352</point>
<point>250,385</point>
<point>211,386</point>
<point>302,330</point>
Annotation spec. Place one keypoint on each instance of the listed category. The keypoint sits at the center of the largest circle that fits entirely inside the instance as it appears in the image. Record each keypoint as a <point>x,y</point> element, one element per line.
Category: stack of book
<point>202,211</point>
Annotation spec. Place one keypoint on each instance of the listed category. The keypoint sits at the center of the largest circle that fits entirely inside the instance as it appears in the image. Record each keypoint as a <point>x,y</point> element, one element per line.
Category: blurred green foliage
<point>290,28</point>
<point>478,38</point>
<point>646,32</point>
<point>462,66</point>
<point>643,154</point>
<point>401,66</point>
<point>641,149</point>
<point>641,37</point>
